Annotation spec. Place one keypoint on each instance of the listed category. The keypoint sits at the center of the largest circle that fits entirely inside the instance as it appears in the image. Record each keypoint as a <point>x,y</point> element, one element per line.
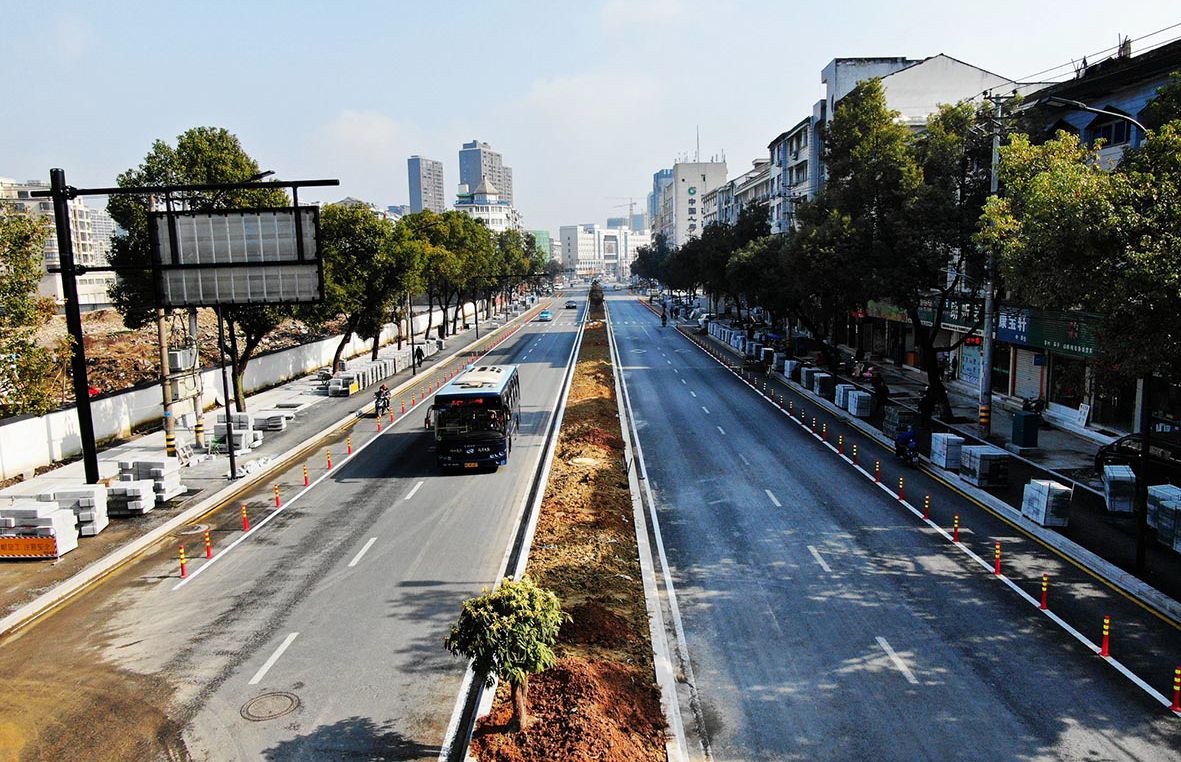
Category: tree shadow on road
<point>352,738</point>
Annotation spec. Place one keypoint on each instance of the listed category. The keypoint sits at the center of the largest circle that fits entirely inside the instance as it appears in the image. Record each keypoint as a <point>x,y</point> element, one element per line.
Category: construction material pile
<point>164,473</point>
<point>1047,503</point>
<point>984,466</point>
<point>245,435</point>
<point>897,419</point>
<point>1119,487</point>
<point>131,498</point>
<point>1164,505</point>
<point>88,504</point>
<point>860,404</point>
<point>34,529</point>
<point>946,450</point>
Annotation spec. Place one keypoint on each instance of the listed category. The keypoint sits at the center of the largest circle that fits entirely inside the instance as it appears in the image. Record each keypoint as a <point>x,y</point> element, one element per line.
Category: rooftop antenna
<point>697,153</point>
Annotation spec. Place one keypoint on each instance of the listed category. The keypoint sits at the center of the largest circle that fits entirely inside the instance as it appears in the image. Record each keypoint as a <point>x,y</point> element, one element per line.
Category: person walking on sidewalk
<point>926,407</point>
<point>881,392</point>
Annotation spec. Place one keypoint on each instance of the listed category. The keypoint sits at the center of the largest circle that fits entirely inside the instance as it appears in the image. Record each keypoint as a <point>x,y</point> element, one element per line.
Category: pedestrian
<point>418,356</point>
<point>926,407</point>
<point>952,367</point>
<point>881,392</point>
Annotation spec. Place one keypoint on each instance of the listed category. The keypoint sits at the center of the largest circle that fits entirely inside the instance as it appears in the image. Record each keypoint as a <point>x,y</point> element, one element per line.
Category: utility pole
<point>61,194</point>
<point>985,419</point>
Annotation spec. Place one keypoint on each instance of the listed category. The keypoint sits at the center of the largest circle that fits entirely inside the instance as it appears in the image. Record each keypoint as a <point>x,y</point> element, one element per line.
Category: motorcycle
<point>381,404</point>
<point>908,454</point>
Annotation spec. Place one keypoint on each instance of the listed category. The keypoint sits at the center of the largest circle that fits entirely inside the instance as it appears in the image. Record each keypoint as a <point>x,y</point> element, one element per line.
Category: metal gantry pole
<point>225,390</point>
<point>61,194</point>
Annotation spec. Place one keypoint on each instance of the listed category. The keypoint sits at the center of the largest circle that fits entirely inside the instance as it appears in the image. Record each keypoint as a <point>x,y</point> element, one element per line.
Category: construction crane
<point>631,208</point>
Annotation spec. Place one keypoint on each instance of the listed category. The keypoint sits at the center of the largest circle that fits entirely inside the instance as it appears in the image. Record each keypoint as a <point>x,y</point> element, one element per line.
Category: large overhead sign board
<point>237,257</point>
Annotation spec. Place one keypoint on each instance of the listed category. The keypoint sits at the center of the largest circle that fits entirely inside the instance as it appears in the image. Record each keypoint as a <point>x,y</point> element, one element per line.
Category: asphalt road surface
<point>320,636</point>
<point>823,621</point>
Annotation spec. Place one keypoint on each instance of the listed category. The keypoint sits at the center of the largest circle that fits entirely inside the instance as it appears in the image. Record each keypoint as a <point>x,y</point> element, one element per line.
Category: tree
<point>509,633</point>
<point>203,155</point>
<point>27,371</point>
<point>1166,106</point>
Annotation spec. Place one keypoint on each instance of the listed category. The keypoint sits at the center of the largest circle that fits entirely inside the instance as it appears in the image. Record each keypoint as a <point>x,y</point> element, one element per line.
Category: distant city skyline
<point>585,123</point>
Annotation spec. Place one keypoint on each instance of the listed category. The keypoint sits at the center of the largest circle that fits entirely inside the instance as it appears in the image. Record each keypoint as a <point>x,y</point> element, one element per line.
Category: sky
<point>585,100</point>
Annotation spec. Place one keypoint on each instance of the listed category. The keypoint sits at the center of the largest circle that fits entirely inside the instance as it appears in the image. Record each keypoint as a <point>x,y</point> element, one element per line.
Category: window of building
<point>1113,133</point>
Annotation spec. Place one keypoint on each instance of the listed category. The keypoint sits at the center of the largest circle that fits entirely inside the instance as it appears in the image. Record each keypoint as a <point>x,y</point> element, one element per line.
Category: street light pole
<point>985,417</point>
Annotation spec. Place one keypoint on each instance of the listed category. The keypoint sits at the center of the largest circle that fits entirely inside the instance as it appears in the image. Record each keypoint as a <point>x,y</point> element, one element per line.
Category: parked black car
<point>1125,451</point>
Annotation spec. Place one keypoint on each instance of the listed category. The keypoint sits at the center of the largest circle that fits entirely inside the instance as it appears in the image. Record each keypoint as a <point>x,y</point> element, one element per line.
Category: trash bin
<point>1025,426</point>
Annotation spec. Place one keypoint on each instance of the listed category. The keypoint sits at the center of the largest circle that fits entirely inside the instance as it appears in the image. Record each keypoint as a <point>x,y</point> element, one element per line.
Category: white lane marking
<point>774,499</point>
<point>693,394</point>
<point>262,671</point>
<point>676,371</point>
<point>905,670</point>
<point>683,381</point>
<point>670,362</point>
<point>745,462</point>
<point>410,494</point>
<point>722,431</point>
<point>361,552</point>
<point>703,407</point>
<point>819,559</point>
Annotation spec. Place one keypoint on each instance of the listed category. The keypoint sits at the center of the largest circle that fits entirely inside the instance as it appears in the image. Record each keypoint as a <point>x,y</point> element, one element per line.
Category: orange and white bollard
<point>276,495</point>
<point>328,457</point>
<point>306,479</point>
<point>378,425</point>
<point>877,471</point>
<point>1176,707</point>
<point>412,400</point>
<point>996,569</point>
<point>403,407</point>
<point>392,414</point>
<point>348,443</point>
<point>955,530</point>
<point>901,489</point>
<point>791,408</point>
<point>208,545</point>
<point>841,443</point>
<point>184,566</point>
<point>854,453</point>
<point>824,432</point>
<point>1105,650</point>
<point>926,507</point>
<point>1045,592</point>
<point>245,519</point>
<point>813,424</point>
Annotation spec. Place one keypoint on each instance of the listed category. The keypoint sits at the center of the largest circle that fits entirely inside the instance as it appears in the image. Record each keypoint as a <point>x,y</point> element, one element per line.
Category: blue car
<point>545,316</point>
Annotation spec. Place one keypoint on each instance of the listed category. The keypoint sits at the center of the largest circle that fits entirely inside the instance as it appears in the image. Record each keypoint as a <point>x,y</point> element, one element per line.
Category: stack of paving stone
<point>88,504</point>
<point>164,474</point>
<point>272,420</point>
<point>946,449</point>
<point>791,368</point>
<point>1164,504</point>
<point>1046,503</point>
<point>984,466</point>
<point>1119,487</point>
<point>807,376</point>
<point>343,384</point>
<point>131,498</point>
<point>897,419</point>
<point>245,435</point>
<point>823,385</point>
<point>840,394</point>
<point>860,404</point>
<point>26,524</point>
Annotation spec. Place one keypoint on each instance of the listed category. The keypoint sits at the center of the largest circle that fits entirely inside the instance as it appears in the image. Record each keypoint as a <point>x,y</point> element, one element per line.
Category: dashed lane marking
<point>266,667</point>
<point>901,665</point>
<point>820,559</point>
<point>362,551</point>
<point>774,499</point>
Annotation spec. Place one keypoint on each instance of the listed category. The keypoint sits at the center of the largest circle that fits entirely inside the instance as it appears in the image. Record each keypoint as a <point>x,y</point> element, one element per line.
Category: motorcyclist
<point>905,443</point>
<point>381,399</point>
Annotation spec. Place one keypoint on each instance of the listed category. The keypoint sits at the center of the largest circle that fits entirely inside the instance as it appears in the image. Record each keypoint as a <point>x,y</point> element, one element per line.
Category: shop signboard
<point>1067,333</point>
<point>960,314</point>
<point>886,311</point>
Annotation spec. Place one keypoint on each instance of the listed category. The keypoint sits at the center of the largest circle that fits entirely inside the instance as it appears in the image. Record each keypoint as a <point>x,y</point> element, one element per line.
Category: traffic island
<point>600,700</point>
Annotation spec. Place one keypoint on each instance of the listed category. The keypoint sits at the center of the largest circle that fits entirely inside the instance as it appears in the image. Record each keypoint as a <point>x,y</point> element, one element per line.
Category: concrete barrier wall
<point>27,443</point>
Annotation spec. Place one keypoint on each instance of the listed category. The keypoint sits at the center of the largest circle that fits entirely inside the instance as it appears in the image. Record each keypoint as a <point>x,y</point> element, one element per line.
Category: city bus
<point>476,417</point>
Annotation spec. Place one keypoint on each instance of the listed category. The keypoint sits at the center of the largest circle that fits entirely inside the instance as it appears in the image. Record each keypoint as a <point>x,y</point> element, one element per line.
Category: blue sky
<point>584,99</point>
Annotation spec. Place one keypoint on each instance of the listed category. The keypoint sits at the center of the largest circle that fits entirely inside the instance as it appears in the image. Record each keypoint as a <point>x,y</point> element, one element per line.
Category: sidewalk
<point>315,411</point>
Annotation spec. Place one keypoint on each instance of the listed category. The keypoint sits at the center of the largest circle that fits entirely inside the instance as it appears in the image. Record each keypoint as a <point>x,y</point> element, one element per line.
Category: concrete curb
<point>109,563</point>
<point>1149,596</point>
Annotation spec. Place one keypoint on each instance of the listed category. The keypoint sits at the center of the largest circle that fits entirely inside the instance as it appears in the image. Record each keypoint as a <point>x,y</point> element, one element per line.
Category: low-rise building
<point>591,250</point>
<point>485,203</point>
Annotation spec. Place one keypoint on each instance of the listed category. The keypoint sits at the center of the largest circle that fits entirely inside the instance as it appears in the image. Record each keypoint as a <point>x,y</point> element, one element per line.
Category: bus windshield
<point>469,422</point>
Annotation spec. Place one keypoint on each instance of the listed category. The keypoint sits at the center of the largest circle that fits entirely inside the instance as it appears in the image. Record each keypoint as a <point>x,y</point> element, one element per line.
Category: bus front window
<point>468,422</point>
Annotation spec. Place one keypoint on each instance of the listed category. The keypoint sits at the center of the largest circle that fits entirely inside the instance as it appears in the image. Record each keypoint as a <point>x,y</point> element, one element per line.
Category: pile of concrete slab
<point>840,395</point>
<point>34,529</point>
<point>131,498</point>
<point>88,504</point>
<point>808,376</point>
<point>984,466</point>
<point>1119,487</point>
<point>823,385</point>
<point>946,450</point>
<point>859,403</point>
<point>163,473</point>
<point>1164,514</point>
<point>361,374</point>
<point>272,420</point>
<point>1046,503</point>
<point>245,435</point>
<point>897,419</point>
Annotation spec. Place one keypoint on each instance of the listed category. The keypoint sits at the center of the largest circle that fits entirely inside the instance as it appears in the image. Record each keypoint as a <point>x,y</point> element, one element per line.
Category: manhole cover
<point>194,529</point>
<point>268,706</point>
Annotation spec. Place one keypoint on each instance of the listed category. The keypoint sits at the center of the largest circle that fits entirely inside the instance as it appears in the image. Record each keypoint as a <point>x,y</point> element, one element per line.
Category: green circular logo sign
<point>692,190</point>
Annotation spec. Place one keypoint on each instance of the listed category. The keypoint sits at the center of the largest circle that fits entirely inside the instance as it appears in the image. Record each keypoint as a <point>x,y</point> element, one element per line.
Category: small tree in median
<point>509,633</point>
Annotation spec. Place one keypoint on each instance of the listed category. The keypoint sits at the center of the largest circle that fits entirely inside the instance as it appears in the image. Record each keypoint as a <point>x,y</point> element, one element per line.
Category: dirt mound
<point>582,711</point>
<point>592,623</point>
<point>597,436</point>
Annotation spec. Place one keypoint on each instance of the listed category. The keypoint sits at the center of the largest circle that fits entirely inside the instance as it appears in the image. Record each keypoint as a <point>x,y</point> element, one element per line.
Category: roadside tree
<point>509,633</point>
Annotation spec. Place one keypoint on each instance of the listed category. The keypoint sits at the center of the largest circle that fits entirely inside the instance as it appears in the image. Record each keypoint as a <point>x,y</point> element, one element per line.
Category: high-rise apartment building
<point>92,287</point>
<point>478,162</point>
<point>426,184</point>
<point>679,210</point>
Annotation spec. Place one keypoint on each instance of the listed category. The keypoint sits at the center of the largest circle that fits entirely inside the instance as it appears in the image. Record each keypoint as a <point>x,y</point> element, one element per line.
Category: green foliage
<point>27,371</point>
<point>1166,106</point>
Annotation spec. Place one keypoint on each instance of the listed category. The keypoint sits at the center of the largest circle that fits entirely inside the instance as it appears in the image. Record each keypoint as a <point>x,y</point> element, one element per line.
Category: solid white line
<point>723,431</point>
<point>703,407</point>
<point>774,499</point>
<point>411,493</point>
<point>745,462</point>
<point>910,678</point>
<point>361,552</point>
<point>819,559</point>
<point>262,671</point>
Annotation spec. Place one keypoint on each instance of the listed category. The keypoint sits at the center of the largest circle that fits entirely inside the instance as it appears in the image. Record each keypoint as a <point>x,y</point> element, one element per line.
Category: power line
<point>1030,77</point>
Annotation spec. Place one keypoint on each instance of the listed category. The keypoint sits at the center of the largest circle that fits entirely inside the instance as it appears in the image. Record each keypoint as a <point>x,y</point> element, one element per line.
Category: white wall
<point>27,443</point>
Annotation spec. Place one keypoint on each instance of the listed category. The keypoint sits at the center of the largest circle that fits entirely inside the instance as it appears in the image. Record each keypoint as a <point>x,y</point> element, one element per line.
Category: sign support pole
<point>225,387</point>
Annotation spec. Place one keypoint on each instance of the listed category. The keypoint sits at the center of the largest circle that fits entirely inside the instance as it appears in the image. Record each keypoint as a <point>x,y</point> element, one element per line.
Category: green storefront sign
<point>1067,333</point>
